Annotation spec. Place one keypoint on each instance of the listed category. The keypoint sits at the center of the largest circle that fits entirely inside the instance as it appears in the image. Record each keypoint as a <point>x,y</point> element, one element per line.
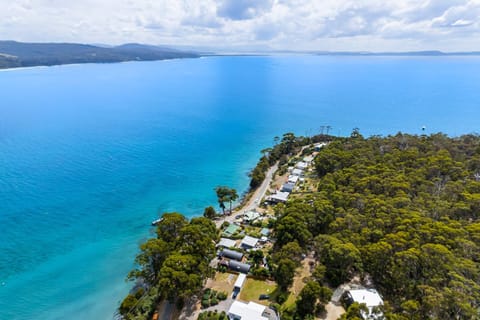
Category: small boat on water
<point>155,222</point>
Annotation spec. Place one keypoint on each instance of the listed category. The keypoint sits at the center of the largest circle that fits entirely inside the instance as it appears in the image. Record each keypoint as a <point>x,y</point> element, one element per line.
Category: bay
<point>91,154</point>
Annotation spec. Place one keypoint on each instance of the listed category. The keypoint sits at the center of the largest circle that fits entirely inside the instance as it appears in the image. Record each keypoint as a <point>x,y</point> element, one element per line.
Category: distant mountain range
<point>19,54</point>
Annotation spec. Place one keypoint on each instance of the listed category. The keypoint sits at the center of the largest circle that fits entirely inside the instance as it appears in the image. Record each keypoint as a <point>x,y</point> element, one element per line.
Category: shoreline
<point>251,199</point>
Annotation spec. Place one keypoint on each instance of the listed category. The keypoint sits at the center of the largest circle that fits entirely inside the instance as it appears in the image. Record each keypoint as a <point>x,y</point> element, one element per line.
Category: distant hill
<point>19,54</point>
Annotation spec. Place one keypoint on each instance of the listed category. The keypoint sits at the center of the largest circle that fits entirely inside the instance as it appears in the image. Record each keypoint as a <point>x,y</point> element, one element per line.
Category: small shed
<point>265,232</point>
<point>239,266</point>
<point>231,254</point>
<point>249,242</point>
<point>240,281</point>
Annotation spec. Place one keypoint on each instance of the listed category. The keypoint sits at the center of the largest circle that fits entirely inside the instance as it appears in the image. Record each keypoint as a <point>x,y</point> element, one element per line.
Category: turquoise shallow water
<point>90,154</point>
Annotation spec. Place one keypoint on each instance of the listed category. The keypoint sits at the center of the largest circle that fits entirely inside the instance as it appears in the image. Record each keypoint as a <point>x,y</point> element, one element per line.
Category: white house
<point>297,172</point>
<point>301,165</point>
<point>278,197</point>
<point>246,311</point>
<point>369,297</point>
<point>250,216</point>
<point>293,179</point>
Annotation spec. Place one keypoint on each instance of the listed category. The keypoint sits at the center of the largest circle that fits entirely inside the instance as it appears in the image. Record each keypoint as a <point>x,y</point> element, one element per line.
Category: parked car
<point>264,297</point>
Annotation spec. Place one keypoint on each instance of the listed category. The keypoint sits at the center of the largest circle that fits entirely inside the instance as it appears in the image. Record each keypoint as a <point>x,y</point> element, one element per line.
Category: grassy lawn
<point>223,282</point>
<point>252,289</point>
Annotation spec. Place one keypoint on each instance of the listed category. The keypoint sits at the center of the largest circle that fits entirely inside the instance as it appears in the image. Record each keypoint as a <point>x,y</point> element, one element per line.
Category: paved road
<point>165,311</point>
<point>254,200</point>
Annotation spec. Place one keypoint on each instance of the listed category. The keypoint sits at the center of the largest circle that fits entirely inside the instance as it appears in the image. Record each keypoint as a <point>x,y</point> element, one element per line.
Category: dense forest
<point>402,211</point>
<point>171,266</point>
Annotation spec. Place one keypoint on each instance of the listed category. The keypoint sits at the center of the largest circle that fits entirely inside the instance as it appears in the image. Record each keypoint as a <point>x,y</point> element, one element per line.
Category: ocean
<point>91,154</point>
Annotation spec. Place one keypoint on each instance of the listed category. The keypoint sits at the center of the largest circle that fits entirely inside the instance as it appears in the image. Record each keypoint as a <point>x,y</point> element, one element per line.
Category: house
<point>239,266</point>
<point>226,243</point>
<point>246,311</point>
<point>288,187</point>
<point>250,216</point>
<point>308,159</point>
<point>297,172</point>
<point>369,297</point>
<point>293,179</point>
<point>231,254</point>
<point>319,146</point>
<point>301,165</point>
<point>231,229</point>
<point>278,197</point>
<point>248,242</point>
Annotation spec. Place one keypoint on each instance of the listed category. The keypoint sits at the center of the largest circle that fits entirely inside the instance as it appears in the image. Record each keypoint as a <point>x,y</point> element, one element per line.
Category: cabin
<point>248,242</point>
<point>278,197</point>
<point>293,179</point>
<point>297,172</point>
<point>288,187</point>
<point>301,165</point>
<point>370,297</point>
<point>246,311</point>
<point>231,229</point>
<point>226,243</point>
<point>250,216</point>
<point>231,254</point>
<point>239,266</point>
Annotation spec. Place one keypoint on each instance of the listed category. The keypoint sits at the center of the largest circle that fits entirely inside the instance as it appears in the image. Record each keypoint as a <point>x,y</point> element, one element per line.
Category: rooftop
<point>244,311</point>
<point>249,241</point>
<point>231,229</point>
<point>227,243</point>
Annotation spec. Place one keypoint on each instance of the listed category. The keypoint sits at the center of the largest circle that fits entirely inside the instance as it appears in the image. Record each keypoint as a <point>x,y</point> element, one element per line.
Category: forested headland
<point>402,210</point>
<point>400,213</point>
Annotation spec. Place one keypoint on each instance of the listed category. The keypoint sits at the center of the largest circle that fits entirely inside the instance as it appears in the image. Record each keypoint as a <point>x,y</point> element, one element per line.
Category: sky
<point>326,25</point>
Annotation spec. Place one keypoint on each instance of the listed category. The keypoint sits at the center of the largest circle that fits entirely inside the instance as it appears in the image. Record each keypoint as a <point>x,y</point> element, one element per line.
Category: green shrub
<point>205,303</point>
<point>222,295</point>
<point>213,301</point>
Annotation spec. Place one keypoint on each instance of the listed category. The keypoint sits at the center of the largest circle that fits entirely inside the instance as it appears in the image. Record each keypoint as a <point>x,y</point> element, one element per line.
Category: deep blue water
<point>90,154</point>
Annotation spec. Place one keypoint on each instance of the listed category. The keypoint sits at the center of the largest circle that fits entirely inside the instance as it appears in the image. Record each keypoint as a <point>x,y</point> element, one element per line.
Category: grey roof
<point>231,254</point>
<point>288,187</point>
<point>238,266</point>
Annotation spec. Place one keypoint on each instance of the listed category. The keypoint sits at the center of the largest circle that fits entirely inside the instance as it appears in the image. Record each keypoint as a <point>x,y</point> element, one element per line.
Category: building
<point>288,187</point>
<point>297,172</point>
<point>278,197</point>
<point>240,281</point>
<point>249,242</point>
<point>293,179</point>
<point>226,243</point>
<point>250,216</point>
<point>231,254</point>
<point>231,229</point>
<point>319,146</point>
<point>239,266</point>
<point>246,311</point>
<point>265,232</point>
<point>301,165</point>
<point>308,159</point>
<point>369,297</point>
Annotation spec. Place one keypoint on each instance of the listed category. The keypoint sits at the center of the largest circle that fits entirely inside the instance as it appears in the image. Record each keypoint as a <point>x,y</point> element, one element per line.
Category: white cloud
<point>377,25</point>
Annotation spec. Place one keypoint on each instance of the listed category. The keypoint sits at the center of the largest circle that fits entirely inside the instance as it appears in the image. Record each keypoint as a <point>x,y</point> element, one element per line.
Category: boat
<point>155,222</point>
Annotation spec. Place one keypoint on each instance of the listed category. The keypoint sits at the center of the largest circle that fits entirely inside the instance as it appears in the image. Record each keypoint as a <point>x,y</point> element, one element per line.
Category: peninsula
<point>20,54</point>
<point>349,228</point>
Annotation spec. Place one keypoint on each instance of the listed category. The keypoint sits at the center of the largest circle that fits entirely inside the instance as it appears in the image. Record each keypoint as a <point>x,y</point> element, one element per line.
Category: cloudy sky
<point>356,25</point>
